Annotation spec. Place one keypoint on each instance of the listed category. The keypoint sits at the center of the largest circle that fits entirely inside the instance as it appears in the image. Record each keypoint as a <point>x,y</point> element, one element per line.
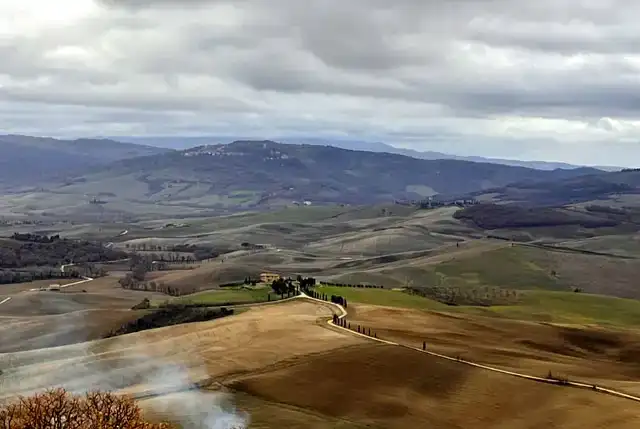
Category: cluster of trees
<point>288,287</point>
<point>474,296</point>
<point>35,238</point>
<point>496,216</point>
<point>28,250</point>
<point>250,281</point>
<point>140,266</point>
<point>45,273</point>
<point>13,222</point>
<point>284,287</point>
<point>251,246</point>
<point>432,204</point>
<point>306,282</point>
<point>29,257</point>
<point>185,253</point>
<point>128,282</point>
<point>630,215</point>
<point>57,408</point>
<point>172,314</point>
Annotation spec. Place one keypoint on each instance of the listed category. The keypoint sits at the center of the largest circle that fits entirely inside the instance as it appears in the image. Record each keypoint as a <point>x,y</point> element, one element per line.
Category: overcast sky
<point>544,79</point>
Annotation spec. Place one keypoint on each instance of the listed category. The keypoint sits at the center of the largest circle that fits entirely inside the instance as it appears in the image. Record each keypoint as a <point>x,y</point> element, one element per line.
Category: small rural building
<point>268,277</point>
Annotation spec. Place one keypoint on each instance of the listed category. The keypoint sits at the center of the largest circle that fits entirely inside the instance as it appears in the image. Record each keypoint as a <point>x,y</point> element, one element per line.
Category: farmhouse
<point>268,277</point>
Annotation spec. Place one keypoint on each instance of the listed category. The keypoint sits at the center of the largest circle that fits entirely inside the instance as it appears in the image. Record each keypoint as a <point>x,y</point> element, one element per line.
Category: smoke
<point>167,387</point>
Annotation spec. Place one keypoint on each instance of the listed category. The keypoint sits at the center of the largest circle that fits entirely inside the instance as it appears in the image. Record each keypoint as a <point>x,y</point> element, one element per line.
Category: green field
<point>628,245</point>
<point>510,267</point>
<point>390,298</point>
<point>569,307</point>
<point>534,305</point>
<point>229,295</point>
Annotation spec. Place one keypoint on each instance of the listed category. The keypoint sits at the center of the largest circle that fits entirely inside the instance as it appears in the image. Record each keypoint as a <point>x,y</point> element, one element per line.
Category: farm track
<point>216,383</point>
<point>567,383</point>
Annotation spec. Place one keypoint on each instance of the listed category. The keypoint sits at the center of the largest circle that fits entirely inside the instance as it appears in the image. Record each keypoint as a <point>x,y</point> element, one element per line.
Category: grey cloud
<point>359,66</point>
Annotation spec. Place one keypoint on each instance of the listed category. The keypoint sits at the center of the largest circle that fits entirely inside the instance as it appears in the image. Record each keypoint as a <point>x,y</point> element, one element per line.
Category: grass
<point>570,307</point>
<point>385,297</point>
<point>616,244</point>
<point>510,267</point>
<point>533,305</point>
<point>230,295</point>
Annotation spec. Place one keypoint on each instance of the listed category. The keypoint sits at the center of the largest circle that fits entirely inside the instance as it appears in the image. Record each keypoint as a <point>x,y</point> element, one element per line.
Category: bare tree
<point>58,409</point>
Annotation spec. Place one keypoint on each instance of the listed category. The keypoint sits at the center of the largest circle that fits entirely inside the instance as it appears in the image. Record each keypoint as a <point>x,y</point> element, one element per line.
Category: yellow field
<point>281,366</point>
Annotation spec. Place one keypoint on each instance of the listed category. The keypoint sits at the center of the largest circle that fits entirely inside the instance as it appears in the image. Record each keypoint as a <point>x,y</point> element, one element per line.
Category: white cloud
<point>550,80</point>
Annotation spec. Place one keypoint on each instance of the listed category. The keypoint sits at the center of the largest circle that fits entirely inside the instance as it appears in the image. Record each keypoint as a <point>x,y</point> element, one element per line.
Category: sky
<point>554,80</point>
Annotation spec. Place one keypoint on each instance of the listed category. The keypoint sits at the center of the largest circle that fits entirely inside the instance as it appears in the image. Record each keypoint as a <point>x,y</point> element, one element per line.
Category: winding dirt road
<point>575,384</point>
<point>84,280</point>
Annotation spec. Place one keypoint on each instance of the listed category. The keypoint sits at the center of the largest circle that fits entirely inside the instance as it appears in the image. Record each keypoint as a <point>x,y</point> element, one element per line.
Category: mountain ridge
<point>181,143</point>
<point>247,174</point>
<point>31,161</point>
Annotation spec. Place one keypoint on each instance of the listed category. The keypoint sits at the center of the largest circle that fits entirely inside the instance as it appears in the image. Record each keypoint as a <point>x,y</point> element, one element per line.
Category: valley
<point>516,284</point>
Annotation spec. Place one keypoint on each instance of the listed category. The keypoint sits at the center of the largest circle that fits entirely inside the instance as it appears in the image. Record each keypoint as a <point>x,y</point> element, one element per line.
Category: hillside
<point>570,190</point>
<point>183,142</point>
<point>249,174</point>
<point>429,154</point>
<point>50,158</point>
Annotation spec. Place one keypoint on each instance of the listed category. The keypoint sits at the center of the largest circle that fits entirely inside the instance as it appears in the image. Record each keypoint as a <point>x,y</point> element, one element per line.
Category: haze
<point>541,80</point>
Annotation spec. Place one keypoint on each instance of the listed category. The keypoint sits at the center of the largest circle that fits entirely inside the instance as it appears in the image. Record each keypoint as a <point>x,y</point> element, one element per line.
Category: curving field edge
<point>575,384</point>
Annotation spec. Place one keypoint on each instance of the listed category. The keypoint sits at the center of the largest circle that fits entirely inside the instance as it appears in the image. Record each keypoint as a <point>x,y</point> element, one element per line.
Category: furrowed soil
<point>391,387</point>
<point>604,356</point>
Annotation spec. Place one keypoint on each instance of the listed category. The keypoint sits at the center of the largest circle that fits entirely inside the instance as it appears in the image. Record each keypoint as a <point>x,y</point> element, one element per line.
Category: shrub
<point>59,409</point>
<point>172,314</point>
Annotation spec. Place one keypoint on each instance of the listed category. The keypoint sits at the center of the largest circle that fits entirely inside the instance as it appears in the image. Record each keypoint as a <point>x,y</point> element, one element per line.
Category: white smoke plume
<point>167,386</point>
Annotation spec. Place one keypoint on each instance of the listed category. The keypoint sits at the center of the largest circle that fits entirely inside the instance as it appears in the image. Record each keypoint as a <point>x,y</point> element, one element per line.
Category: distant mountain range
<point>26,161</point>
<point>256,174</point>
<point>361,145</point>
<point>123,177</point>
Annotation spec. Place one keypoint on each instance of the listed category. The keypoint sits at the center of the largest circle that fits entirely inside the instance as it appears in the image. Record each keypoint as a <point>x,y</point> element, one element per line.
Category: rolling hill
<point>50,159</point>
<point>184,142</point>
<point>262,174</point>
<point>569,190</point>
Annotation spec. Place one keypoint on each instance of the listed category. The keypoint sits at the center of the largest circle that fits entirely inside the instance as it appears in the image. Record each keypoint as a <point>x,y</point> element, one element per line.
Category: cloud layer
<point>546,80</point>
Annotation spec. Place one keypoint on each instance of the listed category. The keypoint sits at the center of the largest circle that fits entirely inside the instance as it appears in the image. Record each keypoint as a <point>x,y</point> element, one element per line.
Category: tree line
<point>476,296</point>
<point>186,253</point>
<point>360,286</point>
<point>173,314</point>
<point>140,266</point>
<point>24,276</point>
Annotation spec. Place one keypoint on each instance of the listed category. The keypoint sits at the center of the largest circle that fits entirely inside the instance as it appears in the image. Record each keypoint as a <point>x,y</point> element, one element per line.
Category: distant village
<point>433,204</point>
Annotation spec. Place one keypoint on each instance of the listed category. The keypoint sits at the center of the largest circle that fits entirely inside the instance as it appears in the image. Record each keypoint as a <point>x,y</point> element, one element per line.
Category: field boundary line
<point>84,280</point>
<point>574,384</point>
